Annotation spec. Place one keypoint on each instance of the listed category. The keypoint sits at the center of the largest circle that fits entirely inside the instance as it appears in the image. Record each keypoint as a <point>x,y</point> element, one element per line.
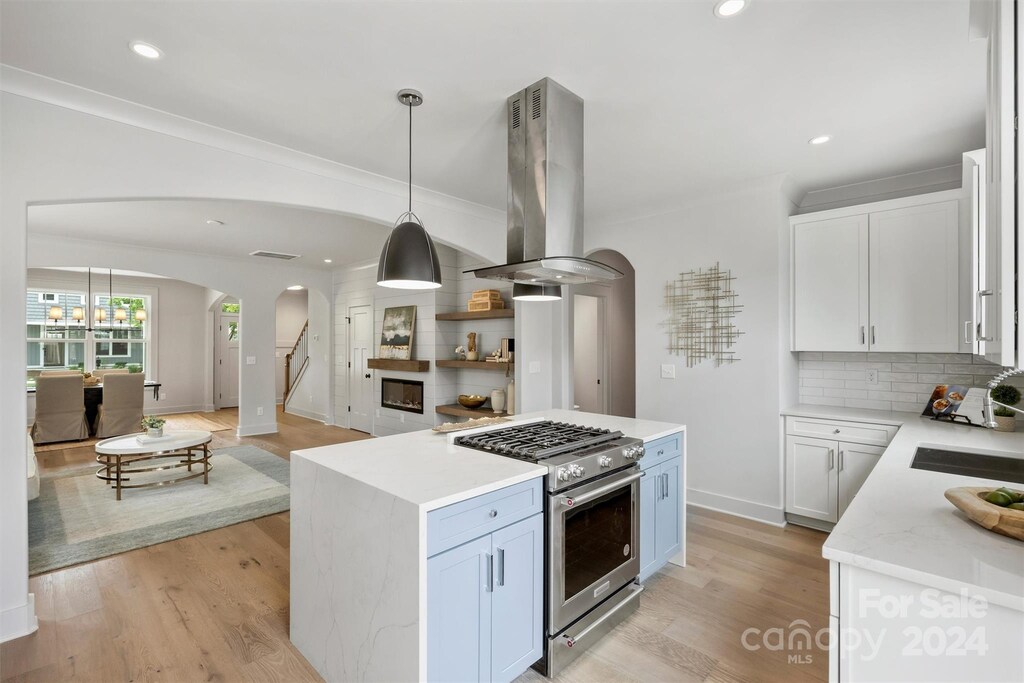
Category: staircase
<point>295,362</point>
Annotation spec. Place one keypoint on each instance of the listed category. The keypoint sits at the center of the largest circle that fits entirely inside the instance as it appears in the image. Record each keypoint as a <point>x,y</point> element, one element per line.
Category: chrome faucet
<point>989,403</point>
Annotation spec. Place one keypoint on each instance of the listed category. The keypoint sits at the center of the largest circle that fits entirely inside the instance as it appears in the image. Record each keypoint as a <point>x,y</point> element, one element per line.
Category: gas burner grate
<point>538,440</point>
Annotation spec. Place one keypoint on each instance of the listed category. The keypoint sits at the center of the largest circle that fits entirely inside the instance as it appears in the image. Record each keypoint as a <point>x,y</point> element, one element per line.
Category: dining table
<point>94,397</point>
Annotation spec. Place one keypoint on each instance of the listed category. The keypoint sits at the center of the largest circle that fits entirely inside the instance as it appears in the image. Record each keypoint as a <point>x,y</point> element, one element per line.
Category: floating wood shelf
<point>459,411</point>
<point>477,315</point>
<point>475,364</point>
<point>396,364</point>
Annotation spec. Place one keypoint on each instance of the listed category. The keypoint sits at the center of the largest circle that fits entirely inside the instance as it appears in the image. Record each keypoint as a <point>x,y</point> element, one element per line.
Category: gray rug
<point>76,517</point>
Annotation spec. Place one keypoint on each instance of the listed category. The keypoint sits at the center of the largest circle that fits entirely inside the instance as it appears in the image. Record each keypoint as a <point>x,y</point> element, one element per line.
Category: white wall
<point>178,316</point>
<point>734,461</point>
<point>311,397</point>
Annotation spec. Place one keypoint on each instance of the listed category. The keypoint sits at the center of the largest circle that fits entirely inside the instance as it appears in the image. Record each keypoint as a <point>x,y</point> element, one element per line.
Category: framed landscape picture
<point>396,333</point>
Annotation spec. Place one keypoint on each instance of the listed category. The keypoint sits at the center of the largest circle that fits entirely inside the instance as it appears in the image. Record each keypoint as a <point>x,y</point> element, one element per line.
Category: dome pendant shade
<point>409,259</point>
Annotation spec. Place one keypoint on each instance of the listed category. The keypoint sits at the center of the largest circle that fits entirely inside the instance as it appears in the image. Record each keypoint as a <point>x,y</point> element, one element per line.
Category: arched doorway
<point>604,341</point>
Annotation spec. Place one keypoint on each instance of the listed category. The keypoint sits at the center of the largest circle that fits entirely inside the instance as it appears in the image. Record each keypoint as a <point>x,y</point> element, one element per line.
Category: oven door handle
<point>569,501</point>
<point>573,641</point>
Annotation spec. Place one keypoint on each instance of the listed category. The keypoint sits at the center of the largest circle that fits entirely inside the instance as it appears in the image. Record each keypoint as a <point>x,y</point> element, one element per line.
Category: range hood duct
<point>545,192</point>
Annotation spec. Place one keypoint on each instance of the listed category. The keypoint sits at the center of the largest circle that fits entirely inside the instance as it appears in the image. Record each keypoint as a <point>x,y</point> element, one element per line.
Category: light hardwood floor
<point>214,607</point>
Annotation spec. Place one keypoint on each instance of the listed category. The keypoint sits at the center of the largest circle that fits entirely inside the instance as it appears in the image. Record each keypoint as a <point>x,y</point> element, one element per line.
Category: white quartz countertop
<point>900,524</point>
<point>424,469</point>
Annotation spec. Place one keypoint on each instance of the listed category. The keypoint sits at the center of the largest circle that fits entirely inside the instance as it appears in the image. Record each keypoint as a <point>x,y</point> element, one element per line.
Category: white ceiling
<point>248,226</point>
<point>678,102</point>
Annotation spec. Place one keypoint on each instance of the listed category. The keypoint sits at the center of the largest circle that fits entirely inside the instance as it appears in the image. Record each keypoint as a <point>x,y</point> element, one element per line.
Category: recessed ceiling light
<point>145,49</point>
<point>214,221</point>
<point>296,288</point>
<point>730,8</point>
<point>820,139</point>
<point>327,260</point>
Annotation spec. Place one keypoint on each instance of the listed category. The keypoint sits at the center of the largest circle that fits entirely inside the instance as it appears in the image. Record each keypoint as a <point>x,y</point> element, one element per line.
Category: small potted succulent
<point>154,426</point>
<point>1006,420</point>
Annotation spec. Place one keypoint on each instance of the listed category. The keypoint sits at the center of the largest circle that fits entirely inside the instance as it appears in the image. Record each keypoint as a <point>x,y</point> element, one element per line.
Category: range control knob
<point>604,461</point>
<point>629,452</point>
<point>577,471</point>
<point>564,474</point>
<point>640,450</point>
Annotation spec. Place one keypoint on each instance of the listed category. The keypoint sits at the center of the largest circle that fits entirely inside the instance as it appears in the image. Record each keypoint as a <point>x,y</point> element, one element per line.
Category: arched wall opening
<point>604,341</point>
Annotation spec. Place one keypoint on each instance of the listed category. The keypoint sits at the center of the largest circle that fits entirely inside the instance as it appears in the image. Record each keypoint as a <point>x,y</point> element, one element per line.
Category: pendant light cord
<point>410,157</point>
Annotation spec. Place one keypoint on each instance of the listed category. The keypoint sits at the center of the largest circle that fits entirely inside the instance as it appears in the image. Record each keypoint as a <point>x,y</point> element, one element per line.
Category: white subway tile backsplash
<point>905,380</point>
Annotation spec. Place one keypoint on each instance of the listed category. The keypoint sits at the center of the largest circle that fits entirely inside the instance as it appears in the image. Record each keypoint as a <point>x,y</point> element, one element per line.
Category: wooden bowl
<point>471,400</point>
<point>971,500</point>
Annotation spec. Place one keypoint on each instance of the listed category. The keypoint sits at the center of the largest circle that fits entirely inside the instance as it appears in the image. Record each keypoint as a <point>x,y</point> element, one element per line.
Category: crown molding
<point>76,98</point>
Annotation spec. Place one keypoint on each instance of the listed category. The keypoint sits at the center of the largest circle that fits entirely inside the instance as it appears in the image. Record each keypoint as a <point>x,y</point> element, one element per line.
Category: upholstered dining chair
<point>109,371</point>
<point>59,373</point>
<point>60,409</point>
<point>121,410</point>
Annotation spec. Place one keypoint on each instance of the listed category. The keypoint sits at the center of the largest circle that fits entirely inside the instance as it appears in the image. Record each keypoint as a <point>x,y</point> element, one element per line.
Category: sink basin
<point>969,464</point>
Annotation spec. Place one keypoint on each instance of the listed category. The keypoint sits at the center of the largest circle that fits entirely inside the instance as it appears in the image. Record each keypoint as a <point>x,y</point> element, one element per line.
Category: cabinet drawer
<point>455,524</point>
<point>854,432</point>
<point>660,450</point>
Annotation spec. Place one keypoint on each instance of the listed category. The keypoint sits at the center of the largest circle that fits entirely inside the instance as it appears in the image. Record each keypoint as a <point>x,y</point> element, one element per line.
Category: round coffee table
<point>119,454</point>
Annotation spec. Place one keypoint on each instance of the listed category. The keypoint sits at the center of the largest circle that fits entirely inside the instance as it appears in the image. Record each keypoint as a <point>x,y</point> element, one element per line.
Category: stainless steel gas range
<point>592,527</point>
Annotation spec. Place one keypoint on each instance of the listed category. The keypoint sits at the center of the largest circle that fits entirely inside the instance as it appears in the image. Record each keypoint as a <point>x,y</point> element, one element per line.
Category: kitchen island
<point>362,529</point>
<point>918,591</point>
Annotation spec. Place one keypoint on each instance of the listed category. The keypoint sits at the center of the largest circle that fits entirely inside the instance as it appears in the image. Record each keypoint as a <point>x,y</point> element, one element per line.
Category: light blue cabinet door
<point>518,598</point>
<point>459,613</point>
<point>670,520</point>
<point>649,492</point>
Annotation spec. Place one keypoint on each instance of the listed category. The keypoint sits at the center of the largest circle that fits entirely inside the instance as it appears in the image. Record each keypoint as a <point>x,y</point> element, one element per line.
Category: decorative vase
<point>498,400</point>
<point>1006,424</point>
<point>472,355</point>
<point>510,397</point>
<point>155,432</point>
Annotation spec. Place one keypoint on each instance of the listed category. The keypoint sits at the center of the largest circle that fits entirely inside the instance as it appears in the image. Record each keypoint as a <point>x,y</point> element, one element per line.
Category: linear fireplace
<point>401,394</point>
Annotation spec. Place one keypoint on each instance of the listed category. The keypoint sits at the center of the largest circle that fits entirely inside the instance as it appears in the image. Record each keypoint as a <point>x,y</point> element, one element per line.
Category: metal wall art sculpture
<point>703,309</point>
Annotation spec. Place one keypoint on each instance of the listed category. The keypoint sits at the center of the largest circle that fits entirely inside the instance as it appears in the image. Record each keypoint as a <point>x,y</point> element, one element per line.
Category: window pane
<point>53,354</point>
<point>34,331</point>
<point>230,308</point>
<point>232,331</point>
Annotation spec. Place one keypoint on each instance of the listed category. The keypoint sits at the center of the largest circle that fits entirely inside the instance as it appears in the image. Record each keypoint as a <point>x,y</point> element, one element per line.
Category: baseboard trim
<point>257,429</point>
<point>757,512</point>
<point>19,621</point>
<point>308,414</point>
<point>175,410</point>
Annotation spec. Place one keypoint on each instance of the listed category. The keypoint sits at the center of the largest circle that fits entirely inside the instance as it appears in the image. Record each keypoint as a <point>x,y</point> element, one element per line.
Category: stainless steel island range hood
<point>545,192</point>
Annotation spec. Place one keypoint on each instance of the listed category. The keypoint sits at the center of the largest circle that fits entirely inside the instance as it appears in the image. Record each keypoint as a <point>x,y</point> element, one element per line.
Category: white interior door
<point>830,285</point>
<point>227,360</point>
<point>590,382</point>
<point>360,378</point>
<point>915,262</point>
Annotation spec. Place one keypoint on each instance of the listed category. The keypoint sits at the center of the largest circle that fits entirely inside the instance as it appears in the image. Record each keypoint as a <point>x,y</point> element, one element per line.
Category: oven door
<point>592,544</point>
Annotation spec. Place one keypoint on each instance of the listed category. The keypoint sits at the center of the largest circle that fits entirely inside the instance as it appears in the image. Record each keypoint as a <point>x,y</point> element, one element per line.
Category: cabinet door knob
<point>835,431</point>
<point>492,513</point>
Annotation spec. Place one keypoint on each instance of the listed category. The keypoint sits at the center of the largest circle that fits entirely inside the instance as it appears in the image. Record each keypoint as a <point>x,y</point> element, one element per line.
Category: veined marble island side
<point>359,550</point>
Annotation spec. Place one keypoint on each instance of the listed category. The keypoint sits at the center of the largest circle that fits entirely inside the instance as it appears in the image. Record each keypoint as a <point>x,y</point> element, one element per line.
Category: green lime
<point>1017,496</point>
<point>1016,506</point>
<point>998,498</point>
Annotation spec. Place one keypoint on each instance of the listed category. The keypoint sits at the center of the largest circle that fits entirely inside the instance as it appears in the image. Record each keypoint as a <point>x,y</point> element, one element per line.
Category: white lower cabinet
<point>823,475</point>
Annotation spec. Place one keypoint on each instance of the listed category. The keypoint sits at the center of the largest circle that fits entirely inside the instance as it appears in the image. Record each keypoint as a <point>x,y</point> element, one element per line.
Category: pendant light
<point>409,259</point>
<point>522,291</point>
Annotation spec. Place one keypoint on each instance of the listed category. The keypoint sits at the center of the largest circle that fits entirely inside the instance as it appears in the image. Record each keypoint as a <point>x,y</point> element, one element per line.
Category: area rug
<point>176,422</point>
<point>77,518</point>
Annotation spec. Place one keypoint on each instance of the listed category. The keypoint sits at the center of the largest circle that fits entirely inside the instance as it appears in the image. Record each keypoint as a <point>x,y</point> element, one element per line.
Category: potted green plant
<point>1006,420</point>
<point>153,425</point>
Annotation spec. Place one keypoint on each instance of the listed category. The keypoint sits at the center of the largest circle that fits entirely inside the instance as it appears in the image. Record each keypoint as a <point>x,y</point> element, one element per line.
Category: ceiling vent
<point>274,254</point>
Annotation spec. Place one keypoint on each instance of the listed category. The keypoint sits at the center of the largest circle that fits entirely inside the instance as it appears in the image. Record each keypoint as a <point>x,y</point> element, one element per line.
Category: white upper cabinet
<point>830,284</point>
<point>914,279</point>
<point>998,292</point>
<point>879,277</point>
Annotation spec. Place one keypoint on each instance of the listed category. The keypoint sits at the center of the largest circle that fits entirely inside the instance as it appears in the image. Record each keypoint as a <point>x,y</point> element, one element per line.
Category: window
<point>68,344</point>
